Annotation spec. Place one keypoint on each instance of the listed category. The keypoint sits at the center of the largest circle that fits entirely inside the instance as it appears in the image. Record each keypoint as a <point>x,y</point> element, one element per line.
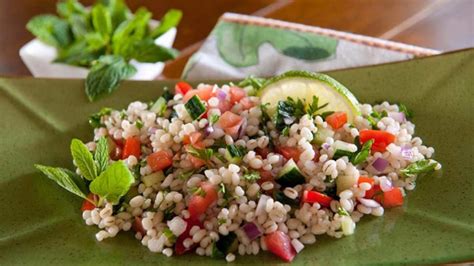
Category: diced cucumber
<point>195,107</point>
<point>290,175</point>
<point>344,182</point>
<point>159,107</point>
<point>322,134</point>
<point>281,197</point>
<point>225,245</point>
<point>234,154</point>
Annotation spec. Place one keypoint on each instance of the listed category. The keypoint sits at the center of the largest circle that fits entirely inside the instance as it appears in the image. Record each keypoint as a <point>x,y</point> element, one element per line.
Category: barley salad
<point>261,165</point>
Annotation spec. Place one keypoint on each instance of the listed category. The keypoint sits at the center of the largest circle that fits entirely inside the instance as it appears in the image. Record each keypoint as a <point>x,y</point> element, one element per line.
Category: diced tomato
<point>381,139</point>
<point>366,179</point>
<point>137,226</point>
<point>375,190</point>
<point>263,152</point>
<point>230,122</point>
<point>265,176</point>
<point>179,246</point>
<point>198,204</point>
<point>197,163</point>
<point>87,205</point>
<point>182,87</point>
<point>311,197</point>
<point>246,103</point>
<point>224,106</point>
<point>192,138</point>
<point>132,147</point>
<point>279,244</point>
<point>289,153</point>
<point>337,119</point>
<point>159,160</point>
<point>204,93</point>
<point>115,150</point>
<point>391,198</point>
<point>236,94</point>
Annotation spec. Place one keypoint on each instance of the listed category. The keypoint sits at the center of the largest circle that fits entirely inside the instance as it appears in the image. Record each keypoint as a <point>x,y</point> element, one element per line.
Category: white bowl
<point>39,57</point>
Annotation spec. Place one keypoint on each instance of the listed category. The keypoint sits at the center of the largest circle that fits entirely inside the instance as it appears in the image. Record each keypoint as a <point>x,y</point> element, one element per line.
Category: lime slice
<point>305,85</point>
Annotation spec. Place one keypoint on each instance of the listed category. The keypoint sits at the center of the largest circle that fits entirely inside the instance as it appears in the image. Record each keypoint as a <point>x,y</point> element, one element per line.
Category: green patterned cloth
<point>241,45</point>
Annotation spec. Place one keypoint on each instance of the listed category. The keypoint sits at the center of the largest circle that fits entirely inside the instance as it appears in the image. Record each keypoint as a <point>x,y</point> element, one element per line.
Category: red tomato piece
<point>204,93</point>
<point>137,226</point>
<point>159,160</point>
<point>279,244</point>
<point>236,94</point>
<point>224,106</point>
<point>246,103</point>
<point>182,87</point>
<point>197,163</point>
<point>198,204</point>
<point>366,179</point>
<point>381,138</point>
<point>263,152</point>
<point>391,198</point>
<point>289,153</point>
<point>311,197</point>
<point>179,246</point>
<point>229,119</point>
<point>87,205</point>
<point>374,191</point>
<point>132,147</point>
<point>337,119</point>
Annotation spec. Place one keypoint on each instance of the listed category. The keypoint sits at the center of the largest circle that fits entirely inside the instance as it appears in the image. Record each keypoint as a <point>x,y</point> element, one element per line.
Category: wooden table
<point>438,24</point>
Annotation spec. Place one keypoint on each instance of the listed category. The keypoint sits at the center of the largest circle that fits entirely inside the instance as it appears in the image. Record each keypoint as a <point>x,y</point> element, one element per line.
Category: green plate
<point>41,223</point>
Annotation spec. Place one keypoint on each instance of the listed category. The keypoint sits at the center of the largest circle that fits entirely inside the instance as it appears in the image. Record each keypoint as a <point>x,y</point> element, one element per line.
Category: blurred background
<point>438,24</point>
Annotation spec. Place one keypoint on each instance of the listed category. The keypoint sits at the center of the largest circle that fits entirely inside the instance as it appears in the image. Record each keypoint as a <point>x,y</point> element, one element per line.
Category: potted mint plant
<point>105,44</point>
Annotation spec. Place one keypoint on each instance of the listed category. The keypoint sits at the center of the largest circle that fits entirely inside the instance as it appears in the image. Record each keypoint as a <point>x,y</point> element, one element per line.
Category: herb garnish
<point>419,167</point>
<point>104,39</point>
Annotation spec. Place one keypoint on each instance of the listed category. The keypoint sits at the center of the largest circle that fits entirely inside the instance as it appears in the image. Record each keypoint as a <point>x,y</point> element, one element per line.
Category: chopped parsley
<point>402,108</point>
<point>292,110</point>
<point>251,176</point>
<point>213,119</point>
<point>419,167</point>
<point>342,212</point>
<point>252,81</point>
<point>95,119</point>
<point>221,221</point>
<point>286,131</point>
<point>139,124</point>
<point>197,191</point>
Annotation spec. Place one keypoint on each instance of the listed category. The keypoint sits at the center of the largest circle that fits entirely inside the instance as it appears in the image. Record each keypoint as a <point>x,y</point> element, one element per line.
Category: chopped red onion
<point>251,230</point>
<point>407,153</point>
<point>208,130</point>
<point>397,116</point>
<point>242,128</point>
<point>152,130</point>
<point>326,146</point>
<point>385,184</point>
<point>380,164</point>
<point>368,202</point>
<point>221,95</point>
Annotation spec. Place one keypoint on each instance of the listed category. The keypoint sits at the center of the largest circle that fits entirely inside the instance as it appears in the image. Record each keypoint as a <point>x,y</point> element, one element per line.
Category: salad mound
<point>262,165</point>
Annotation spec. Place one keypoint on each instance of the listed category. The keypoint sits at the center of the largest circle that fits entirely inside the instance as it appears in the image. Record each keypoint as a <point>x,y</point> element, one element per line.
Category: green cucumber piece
<point>290,175</point>
<point>225,245</point>
<point>234,154</point>
<point>281,197</point>
<point>195,107</point>
<point>322,134</point>
<point>159,107</point>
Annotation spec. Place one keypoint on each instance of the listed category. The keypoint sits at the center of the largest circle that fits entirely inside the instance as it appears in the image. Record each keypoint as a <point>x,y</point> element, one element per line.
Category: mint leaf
<point>130,32</point>
<point>95,41</point>
<point>102,155</point>
<point>79,25</point>
<point>147,51</point>
<point>83,159</point>
<point>106,74</point>
<point>113,183</point>
<point>64,178</point>
<point>169,20</point>
<point>77,54</point>
<point>50,30</point>
<point>68,8</point>
<point>101,20</point>
<point>118,11</point>
<point>419,167</point>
